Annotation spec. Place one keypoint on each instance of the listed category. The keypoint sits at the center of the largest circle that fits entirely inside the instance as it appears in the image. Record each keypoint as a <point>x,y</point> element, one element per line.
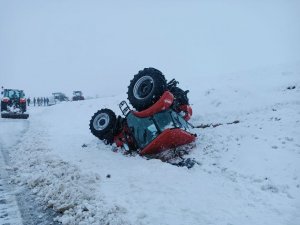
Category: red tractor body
<point>13,104</point>
<point>160,123</point>
<point>156,129</point>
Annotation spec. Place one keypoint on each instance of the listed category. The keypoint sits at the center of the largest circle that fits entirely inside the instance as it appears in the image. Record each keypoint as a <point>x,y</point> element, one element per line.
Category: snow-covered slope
<point>249,172</point>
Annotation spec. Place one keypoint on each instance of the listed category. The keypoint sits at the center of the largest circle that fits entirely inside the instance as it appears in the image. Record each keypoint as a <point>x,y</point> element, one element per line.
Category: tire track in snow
<point>19,206</point>
<point>61,186</point>
<point>9,209</point>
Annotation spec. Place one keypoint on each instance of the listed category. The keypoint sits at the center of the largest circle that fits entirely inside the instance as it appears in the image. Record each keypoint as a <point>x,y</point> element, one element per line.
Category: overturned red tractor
<point>160,121</point>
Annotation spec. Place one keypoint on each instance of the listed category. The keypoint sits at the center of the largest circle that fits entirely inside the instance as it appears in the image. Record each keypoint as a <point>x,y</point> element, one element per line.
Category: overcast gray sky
<point>97,46</point>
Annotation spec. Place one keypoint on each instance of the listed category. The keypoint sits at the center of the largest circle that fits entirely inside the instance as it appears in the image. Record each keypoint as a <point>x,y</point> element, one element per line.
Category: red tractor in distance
<point>13,104</point>
<point>160,121</point>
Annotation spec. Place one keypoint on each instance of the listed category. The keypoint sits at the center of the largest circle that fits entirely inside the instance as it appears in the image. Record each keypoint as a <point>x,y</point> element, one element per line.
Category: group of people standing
<point>38,101</point>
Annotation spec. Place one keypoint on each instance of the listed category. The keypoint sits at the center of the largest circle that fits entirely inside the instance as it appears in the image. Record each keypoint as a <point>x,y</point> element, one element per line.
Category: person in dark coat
<point>28,101</point>
<point>34,101</point>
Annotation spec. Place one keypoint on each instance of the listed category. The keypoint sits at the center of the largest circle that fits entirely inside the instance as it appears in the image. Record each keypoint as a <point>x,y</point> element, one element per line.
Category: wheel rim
<point>101,121</point>
<point>143,87</point>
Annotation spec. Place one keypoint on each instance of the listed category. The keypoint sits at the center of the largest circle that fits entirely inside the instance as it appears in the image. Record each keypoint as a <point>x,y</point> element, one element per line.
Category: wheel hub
<point>101,121</point>
<point>143,87</point>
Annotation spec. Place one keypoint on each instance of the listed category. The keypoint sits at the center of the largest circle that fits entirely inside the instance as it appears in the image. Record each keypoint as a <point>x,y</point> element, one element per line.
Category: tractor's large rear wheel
<point>3,106</point>
<point>146,88</point>
<point>102,125</point>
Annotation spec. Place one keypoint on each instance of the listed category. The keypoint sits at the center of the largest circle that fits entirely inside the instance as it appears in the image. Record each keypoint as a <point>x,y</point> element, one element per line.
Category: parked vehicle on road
<point>77,96</point>
<point>13,104</point>
<point>60,97</point>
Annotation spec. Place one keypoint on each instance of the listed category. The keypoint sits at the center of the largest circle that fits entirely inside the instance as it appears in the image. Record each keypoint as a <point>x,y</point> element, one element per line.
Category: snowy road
<point>9,209</point>
<point>10,132</point>
<point>17,204</point>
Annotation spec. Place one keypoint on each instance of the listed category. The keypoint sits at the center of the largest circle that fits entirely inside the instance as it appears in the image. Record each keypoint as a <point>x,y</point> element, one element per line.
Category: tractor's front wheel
<point>102,125</point>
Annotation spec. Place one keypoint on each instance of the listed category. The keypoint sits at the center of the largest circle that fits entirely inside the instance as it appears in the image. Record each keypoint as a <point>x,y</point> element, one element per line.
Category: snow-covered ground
<point>18,205</point>
<point>249,172</point>
<point>9,210</point>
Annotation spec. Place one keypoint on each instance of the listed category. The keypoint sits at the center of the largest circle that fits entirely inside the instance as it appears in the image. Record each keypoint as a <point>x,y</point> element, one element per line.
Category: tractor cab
<point>77,96</point>
<point>162,130</point>
<point>60,97</point>
<point>13,94</point>
<point>158,127</point>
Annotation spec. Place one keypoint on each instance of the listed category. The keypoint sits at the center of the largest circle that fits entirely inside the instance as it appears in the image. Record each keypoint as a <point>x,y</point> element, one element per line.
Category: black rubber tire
<point>23,107</point>
<point>3,106</point>
<point>102,125</point>
<point>143,94</point>
<point>180,96</point>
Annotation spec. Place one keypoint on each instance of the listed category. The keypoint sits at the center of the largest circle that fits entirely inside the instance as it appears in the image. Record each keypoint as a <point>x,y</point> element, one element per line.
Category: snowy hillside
<point>249,172</point>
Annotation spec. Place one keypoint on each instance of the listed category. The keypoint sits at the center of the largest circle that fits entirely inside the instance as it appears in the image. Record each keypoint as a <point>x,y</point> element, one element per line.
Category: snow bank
<point>61,185</point>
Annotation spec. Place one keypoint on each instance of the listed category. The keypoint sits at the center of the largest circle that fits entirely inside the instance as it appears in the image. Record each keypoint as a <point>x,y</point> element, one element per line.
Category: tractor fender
<point>164,103</point>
